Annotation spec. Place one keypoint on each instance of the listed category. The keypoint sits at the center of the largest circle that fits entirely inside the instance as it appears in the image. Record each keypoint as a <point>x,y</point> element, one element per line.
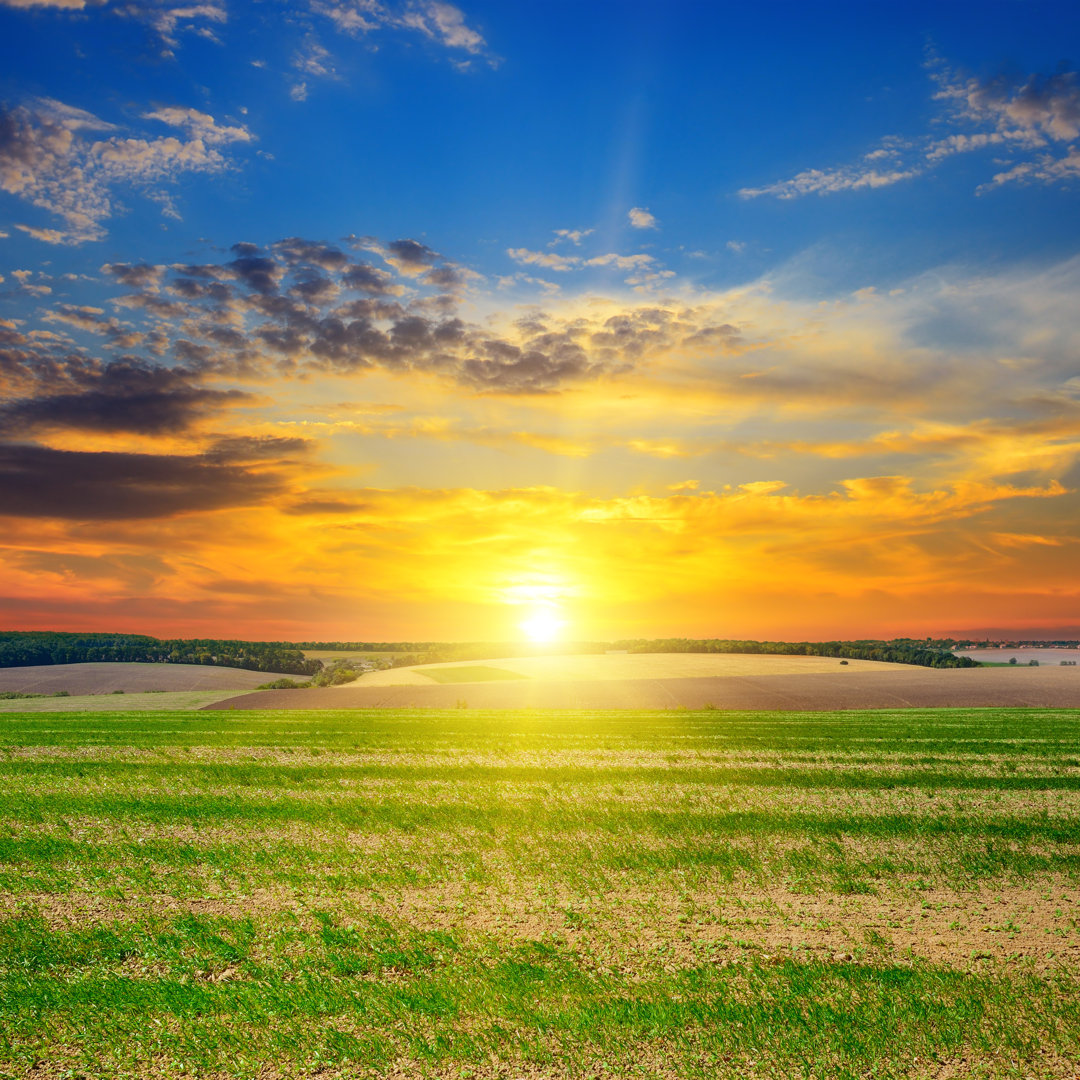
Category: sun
<point>542,627</point>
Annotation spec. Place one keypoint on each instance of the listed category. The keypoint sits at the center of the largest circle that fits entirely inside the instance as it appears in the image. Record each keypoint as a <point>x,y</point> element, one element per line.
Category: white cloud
<point>166,21</point>
<point>46,236</point>
<point>440,22</point>
<point>66,5</point>
<point>445,23</point>
<point>549,260</point>
<point>640,218</point>
<point>830,181</point>
<point>621,262</point>
<point>47,160</point>
<point>1047,169</point>
<point>200,125</point>
<point>575,236</point>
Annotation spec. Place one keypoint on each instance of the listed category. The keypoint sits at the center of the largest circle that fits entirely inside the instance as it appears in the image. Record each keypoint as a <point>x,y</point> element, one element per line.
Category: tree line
<point>26,648</point>
<point>29,648</point>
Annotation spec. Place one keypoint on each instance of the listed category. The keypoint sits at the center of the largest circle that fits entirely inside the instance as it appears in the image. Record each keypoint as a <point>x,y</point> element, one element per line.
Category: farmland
<point>540,894</point>
<point>666,681</point>
<point>110,677</point>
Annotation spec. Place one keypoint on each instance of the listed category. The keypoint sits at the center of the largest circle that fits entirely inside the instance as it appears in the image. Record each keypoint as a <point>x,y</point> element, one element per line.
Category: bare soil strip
<point>911,687</point>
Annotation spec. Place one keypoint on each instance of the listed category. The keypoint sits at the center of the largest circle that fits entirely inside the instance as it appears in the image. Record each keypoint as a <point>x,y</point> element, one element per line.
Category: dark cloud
<point>450,278</point>
<point>296,250</point>
<point>410,256</point>
<point>39,482</point>
<point>124,395</point>
<point>283,305</point>
<point>257,272</point>
<point>135,275</point>
<point>312,286</point>
<point>363,277</point>
<point>246,449</point>
<point>325,506</point>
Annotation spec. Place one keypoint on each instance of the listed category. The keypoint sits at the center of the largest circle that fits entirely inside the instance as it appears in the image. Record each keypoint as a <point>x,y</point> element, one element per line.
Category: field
<point>468,894</point>
<point>683,681</point>
<point>108,678</point>
<point>144,701</point>
<point>626,666</point>
<point>1021,656</point>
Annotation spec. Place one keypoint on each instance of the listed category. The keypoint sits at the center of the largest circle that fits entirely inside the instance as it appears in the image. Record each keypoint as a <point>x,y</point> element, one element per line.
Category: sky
<point>379,320</point>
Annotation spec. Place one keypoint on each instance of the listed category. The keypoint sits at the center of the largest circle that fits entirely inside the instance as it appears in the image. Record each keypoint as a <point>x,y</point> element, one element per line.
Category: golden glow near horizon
<point>819,477</point>
<point>543,627</point>
<point>330,395</point>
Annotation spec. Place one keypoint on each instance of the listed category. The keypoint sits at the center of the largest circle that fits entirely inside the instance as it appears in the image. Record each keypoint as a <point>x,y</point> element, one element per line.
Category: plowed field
<point>131,678</point>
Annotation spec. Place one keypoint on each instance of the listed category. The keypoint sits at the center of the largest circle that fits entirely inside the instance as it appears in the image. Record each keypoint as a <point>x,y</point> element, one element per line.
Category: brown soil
<point>131,678</point>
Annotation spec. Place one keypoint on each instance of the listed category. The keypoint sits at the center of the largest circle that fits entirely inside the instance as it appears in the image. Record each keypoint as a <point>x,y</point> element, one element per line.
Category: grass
<point>468,674</point>
<point>539,894</point>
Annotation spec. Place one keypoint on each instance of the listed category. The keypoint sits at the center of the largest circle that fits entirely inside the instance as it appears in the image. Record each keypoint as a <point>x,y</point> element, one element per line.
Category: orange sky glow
<point>410,321</point>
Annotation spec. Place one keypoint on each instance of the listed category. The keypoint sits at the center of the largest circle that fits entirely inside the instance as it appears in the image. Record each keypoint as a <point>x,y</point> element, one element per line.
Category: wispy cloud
<point>166,20</point>
<point>441,23</point>
<point>1033,122</point>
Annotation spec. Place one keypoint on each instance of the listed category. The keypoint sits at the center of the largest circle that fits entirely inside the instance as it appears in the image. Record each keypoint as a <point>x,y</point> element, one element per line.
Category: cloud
<point>439,21</point>
<point>1043,105</point>
<point>640,218</point>
<point>40,482</point>
<point>575,236</point>
<point>166,20</point>
<point>850,453</point>
<point>126,395</point>
<point>304,306</point>
<point>1024,120</point>
<point>830,181</point>
<point>48,160</point>
<point>64,5</point>
<point>312,60</point>
<point>46,236</point>
<point>620,262</point>
<point>410,257</point>
<point>547,259</point>
<point>550,260</point>
<point>135,275</point>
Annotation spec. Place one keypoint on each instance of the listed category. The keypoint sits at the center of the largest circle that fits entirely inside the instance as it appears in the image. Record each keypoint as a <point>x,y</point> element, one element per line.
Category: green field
<point>146,701</point>
<point>467,894</point>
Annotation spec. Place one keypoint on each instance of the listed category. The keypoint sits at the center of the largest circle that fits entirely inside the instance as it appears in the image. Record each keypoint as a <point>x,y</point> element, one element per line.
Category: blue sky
<point>567,116</point>
<point>727,267</point>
